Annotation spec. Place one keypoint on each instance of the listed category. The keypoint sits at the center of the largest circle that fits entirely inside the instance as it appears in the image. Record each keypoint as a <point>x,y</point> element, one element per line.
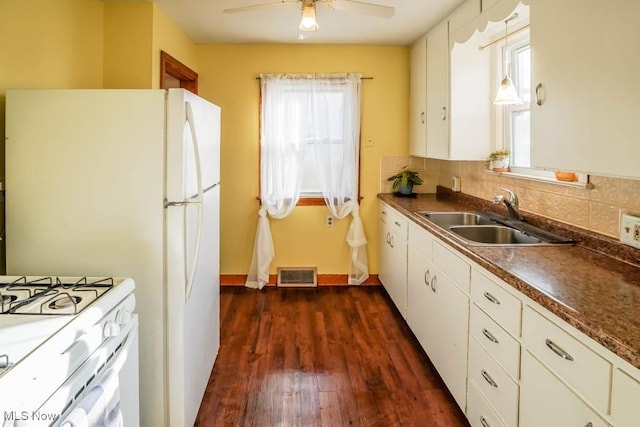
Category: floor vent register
<point>297,277</point>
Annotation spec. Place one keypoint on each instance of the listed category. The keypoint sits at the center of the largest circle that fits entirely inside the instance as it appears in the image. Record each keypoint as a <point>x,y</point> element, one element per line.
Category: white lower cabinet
<point>450,327</point>
<point>546,401</point>
<point>392,243</point>
<point>506,360</point>
<point>438,315</point>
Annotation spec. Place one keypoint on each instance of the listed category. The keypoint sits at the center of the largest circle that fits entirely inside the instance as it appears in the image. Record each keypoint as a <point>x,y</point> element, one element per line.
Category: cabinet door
<point>449,332</point>
<point>547,401</point>
<point>585,54</point>
<point>625,410</point>
<point>420,298</point>
<point>384,256</point>
<point>393,266</point>
<point>438,91</point>
<point>418,96</point>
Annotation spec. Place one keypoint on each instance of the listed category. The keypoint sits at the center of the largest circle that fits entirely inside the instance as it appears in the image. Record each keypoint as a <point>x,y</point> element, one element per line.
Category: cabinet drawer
<point>500,390</point>
<point>547,401</point>
<point>584,370</point>
<point>479,412</point>
<point>420,240</point>
<point>499,304</point>
<point>458,270</point>
<point>496,341</point>
<point>397,222</point>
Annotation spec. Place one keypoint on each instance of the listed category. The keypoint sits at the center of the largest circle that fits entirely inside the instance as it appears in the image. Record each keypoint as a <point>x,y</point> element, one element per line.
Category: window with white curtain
<point>315,108</point>
<point>309,147</point>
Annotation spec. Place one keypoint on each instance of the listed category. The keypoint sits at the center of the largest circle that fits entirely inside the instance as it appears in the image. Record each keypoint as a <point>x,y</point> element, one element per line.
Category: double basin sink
<point>490,229</point>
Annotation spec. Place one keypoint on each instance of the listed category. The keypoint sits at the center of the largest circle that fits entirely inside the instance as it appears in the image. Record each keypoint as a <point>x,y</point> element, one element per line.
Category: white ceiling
<point>204,22</point>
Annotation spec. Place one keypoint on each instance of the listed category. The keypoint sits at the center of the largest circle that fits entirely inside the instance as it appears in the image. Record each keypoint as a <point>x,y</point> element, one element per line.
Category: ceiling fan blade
<point>364,8</point>
<point>260,6</point>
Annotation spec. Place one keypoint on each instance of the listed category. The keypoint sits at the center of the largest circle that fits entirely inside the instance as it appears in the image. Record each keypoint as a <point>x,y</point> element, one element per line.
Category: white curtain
<point>324,111</point>
<point>337,163</point>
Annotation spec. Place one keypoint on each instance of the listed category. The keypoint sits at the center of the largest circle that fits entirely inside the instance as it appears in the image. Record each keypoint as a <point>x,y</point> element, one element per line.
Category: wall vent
<point>306,277</point>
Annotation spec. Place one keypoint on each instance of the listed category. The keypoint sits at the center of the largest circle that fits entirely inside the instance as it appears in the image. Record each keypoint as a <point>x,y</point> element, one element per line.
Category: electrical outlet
<point>329,221</point>
<point>630,230</point>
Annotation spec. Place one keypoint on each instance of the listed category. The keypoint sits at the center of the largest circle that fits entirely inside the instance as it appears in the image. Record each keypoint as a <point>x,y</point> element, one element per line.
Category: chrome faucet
<point>513,205</point>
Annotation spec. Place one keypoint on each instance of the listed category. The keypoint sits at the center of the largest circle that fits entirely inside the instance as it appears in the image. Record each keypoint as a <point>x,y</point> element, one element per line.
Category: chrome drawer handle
<point>489,335</point>
<point>391,241</point>
<point>427,273</point>
<point>433,283</point>
<point>397,223</point>
<point>484,422</point>
<point>488,378</point>
<point>491,298</point>
<point>558,350</point>
<point>589,424</point>
<point>388,238</point>
<point>384,212</point>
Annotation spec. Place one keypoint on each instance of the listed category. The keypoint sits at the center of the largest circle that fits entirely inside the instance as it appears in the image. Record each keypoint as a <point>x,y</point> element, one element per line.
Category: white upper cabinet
<point>418,96</point>
<point>585,57</point>
<point>438,91</point>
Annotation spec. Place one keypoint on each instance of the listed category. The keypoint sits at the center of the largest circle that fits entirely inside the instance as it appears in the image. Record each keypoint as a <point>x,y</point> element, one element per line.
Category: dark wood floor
<point>329,356</point>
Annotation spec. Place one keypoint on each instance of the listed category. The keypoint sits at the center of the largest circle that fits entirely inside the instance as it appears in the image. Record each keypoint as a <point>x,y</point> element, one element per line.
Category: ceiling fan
<point>308,22</point>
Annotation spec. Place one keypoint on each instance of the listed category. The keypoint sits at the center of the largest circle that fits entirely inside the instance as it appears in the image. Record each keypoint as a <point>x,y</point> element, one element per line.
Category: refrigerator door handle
<point>196,199</point>
<point>190,201</point>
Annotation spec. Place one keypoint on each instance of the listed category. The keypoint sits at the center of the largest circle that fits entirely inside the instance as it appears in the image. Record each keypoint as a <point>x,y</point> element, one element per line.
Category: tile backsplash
<point>598,209</point>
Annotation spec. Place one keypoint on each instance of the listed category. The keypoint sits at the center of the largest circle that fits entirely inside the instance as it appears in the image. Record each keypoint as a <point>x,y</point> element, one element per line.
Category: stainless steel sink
<point>494,235</point>
<point>450,219</point>
<point>491,229</point>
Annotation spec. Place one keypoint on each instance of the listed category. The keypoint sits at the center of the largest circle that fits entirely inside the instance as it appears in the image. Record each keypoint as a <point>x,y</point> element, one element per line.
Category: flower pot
<point>406,189</point>
<point>500,165</point>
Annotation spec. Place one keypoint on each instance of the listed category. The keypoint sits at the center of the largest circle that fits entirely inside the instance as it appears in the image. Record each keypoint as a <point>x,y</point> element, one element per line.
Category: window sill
<point>585,185</point>
<point>309,201</point>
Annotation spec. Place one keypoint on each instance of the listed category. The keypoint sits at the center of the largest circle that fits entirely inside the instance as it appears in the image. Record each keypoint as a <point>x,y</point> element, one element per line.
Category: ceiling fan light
<point>308,21</point>
<point>507,94</point>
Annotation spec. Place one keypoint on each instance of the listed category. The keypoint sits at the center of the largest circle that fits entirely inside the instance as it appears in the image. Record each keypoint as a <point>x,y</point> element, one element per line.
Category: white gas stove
<point>59,337</point>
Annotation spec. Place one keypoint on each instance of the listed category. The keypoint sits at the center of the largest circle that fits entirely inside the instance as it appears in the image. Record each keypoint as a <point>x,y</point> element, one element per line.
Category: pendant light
<point>308,21</point>
<point>507,93</point>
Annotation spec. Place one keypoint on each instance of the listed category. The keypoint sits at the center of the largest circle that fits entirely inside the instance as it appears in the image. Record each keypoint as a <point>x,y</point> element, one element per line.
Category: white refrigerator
<point>126,183</point>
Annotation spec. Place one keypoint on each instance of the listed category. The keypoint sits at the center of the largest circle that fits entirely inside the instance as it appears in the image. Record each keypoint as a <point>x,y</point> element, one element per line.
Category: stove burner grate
<point>64,301</point>
<point>54,295</point>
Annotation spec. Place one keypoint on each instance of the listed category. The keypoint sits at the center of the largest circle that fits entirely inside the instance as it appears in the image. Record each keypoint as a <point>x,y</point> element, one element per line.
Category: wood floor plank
<point>330,356</point>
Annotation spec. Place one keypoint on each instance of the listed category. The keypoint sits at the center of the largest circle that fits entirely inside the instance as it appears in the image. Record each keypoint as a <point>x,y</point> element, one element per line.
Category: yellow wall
<point>134,34</point>
<point>47,44</point>
<point>228,78</point>
<point>168,37</point>
<point>128,29</point>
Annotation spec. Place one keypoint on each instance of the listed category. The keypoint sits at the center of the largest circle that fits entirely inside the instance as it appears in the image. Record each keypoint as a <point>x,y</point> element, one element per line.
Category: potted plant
<point>404,180</point>
<point>498,161</point>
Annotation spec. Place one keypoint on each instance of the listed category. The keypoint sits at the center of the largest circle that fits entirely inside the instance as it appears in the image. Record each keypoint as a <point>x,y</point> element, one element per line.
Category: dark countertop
<point>597,294</point>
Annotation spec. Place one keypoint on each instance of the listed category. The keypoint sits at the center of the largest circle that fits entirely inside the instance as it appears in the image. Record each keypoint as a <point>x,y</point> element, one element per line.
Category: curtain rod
<point>504,37</point>
<point>361,78</point>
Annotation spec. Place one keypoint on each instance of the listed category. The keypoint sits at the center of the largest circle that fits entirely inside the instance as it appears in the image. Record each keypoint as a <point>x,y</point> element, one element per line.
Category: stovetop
<point>50,295</point>
<point>35,308</point>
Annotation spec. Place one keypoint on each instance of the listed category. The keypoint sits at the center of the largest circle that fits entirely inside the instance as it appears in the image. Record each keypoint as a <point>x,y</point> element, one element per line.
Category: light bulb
<point>308,21</point>
<point>507,94</point>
